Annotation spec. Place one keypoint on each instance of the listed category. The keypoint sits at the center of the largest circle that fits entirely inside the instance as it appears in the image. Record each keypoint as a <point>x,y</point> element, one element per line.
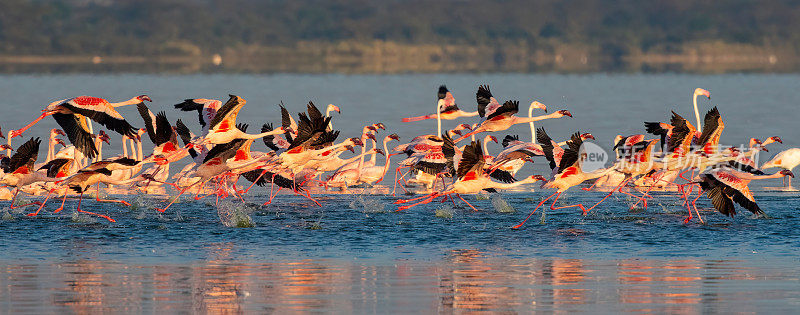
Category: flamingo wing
<point>471,159</point>
<point>25,157</point>
<point>101,112</point>
<point>572,153</point>
<point>507,109</point>
<point>432,162</point>
<point>712,127</point>
<point>56,167</point>
<point>77,133</point>
<point>552,152</point>
<point>682,134</point>
<point>225,117</point>
<point>485,99</point>
<point>200,105</point>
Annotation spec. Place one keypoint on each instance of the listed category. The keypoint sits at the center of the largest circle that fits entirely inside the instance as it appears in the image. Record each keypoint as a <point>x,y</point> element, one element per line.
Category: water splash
<point>501,205</point>
<point>367,205</point>
<point>235,214</point>
<point>7,216</point>
<point>482,195</point>
<point>82,218</point>
<point>445,211</point>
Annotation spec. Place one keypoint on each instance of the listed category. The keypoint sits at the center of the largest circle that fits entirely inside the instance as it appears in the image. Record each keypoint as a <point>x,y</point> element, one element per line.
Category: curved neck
<point>696,113</point>
<point>533,129</point>
<point>468,114</point>
<point>375,156</point>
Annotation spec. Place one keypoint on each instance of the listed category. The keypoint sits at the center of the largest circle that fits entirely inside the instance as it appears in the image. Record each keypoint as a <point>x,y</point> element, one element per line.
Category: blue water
<point>355,254</point>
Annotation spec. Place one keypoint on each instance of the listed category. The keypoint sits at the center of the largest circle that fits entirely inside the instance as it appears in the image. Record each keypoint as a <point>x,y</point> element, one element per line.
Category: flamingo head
<point>754,142</point>
<point>537,104</point>
<point>103,136</point>
<point>587,136</point>
<point>703,92</point>
<point>370,128</point>
<point>393,136</point>
<point>456,131</point>
<point>380,151</point>
<point>371,136</point>
<point>143,98</point>
<point>491,138</point>
<point>380,126</point>
<point>773,139</point>
<point>350,148</point>
<point>58,132</point>
<point>787,173</point>
<point>762,148</point>
<point>6,147</point>
<point>733,151</point>
<point>538,178</point>
<point>464,127</point>
<point>564,112</point>
<point>332,107</point>
<point>61,142</point>
<point>357,141</point>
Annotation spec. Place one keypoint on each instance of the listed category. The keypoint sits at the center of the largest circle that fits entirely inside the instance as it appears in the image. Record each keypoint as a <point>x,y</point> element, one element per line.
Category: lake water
<point>355,254</point>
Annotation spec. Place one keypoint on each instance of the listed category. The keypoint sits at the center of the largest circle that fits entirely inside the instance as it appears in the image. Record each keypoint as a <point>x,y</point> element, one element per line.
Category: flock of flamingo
<point>303,156</point>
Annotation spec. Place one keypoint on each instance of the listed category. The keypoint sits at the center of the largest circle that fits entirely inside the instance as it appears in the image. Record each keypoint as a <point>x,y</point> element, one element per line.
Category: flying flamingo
<point>501,117</point>
<point>446,108</point>
<point>223,125</point>
<point>472,178</point>
<point>71,115</point>
<point>568,174</point>
<point>206,110</point>
<point>724,186</point>
<point>787,160</point>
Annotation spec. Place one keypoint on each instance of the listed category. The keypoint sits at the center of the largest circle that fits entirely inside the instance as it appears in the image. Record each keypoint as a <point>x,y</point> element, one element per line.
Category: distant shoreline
<point>391,58</point>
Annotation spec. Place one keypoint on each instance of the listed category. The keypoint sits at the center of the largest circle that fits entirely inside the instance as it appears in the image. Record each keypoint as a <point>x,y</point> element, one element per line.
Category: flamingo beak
<point>371,136</point>
<point>394,136</point>
<point>336,108</point>
<point>59,132</point>
<point>493,138</point>
<point>381,126</point>
<point>777,139</point>
<point>466,126</point>
<point>380,151</point>
<point>565,112</point>
<point>350,148</point>
<point>787,173</point>
<point>588,136</point>
<point>61,142</point>
<point>458,132</point>
<point>357,141</point>
<point>763,148</point>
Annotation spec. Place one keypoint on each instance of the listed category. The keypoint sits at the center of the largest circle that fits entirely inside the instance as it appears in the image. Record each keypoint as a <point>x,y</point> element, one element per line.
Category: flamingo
<point>374,174</point>
<point>501,117</point>
<point>206,110</point>
<point>20,172</point>
<point>223,125</point>
<point>472,178</point>
<point>446,108</point>
<point>94,174</point>
<point>724,186</point>
<point>787,160</point>
<point>568,173</point>
<point>71,115</point>
<point>328,110</point>
<point>52,141</point>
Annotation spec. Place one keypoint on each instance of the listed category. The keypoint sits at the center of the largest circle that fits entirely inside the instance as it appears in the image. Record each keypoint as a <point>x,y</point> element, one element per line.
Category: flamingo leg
<point>553,207</point>
<point>16,191</point>
<point>465,201</point>
<point>92,213</point>
<point>176,198</point>
<point>429,198</point>
<point>62,203</point>
<point>18,132</point>
<point>619,186</point>
<point>42,206</point>
<point>534,211</point>
<point>125,203</point>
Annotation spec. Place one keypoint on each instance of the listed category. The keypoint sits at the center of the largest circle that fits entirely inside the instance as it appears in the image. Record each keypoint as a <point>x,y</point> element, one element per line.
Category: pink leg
<point>534,211</point>
<point>62,203</point>
<point>462,199</point>
<point>430,198</point>
<point>607,195</point>
<point>272,196</point>
<point>42,206</point>
<point>92,213</point>
<point>16,191</point>
<point>109,200</point>
<point>176,198</point>
<point>553,205</point>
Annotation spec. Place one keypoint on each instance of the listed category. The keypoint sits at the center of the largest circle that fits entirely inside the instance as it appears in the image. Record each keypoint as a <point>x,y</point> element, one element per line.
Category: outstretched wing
<point>485,99</point>
<point>508,108</point>
<point>101,112</point>
<point>25,157</point>
<point>77,133</point>
<point>228,112</point>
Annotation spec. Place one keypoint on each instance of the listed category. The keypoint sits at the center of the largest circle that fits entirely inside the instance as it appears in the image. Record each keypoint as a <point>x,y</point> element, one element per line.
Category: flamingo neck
<point>696,112</point>
<point>8,138</point>
<point>132,101</point>
<point>533,129</point>
<point>438,119</point>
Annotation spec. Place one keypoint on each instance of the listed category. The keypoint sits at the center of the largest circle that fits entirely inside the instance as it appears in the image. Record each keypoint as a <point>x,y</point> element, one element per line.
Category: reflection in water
<point>464,280</point>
